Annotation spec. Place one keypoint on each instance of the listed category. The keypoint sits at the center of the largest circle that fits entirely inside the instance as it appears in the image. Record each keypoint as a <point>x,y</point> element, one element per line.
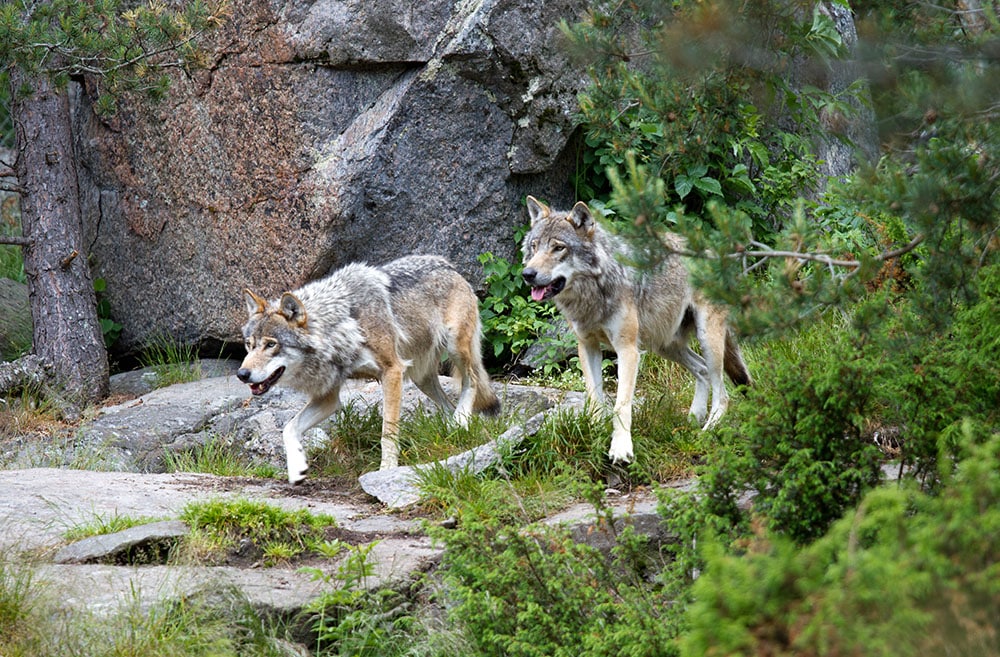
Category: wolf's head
<point>559,247</point>
<point>273,338</point>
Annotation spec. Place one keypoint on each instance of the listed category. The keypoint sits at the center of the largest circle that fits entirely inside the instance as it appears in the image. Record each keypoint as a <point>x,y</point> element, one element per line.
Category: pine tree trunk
<point>67,334</point>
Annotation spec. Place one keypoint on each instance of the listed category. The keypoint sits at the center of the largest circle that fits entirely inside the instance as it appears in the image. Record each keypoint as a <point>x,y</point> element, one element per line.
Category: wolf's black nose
<point>529,275</point>
<point>243,374</point>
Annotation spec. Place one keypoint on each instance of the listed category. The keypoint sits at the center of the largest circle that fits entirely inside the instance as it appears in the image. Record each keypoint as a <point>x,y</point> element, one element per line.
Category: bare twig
<point>763,253</point>
<point>15,240</point>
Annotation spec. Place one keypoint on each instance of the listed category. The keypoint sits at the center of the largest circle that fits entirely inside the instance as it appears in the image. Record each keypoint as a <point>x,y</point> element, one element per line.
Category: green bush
<point>713,125</point>
<point>906,573</point>
<point>512,321</point>
<point>807,452</point>
<point>535,592</point>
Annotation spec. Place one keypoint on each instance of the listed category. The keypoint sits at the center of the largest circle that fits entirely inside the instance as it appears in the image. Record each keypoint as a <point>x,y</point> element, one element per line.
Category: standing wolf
<point>368,322</point>
<point>570,259</point>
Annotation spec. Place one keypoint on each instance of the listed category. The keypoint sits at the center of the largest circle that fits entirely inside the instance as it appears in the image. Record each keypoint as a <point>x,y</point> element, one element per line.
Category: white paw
<point>462,417</point>
<point>297,465</point>
<point>713,420</point>
<point>621,448</point>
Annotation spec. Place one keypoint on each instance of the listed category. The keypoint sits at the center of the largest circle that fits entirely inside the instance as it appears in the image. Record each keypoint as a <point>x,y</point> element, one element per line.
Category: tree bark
<point>67,335</point>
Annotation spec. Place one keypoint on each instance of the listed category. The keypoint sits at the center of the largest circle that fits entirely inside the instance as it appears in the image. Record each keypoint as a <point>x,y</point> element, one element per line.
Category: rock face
<point>325,132</point>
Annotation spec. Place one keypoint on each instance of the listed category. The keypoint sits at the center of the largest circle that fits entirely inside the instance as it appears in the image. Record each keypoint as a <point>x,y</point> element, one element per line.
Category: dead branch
<point>763,253</point>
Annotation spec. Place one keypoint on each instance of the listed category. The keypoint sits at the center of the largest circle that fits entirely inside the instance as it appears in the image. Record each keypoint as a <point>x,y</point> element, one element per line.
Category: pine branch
<point>764,254</point>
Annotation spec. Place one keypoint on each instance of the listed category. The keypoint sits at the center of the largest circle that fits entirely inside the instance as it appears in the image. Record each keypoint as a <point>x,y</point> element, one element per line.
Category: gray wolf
<point>381,323</point>
<point>570,259</point>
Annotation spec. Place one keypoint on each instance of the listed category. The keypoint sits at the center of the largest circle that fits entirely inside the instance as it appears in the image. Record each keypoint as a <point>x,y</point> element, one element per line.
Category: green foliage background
<point>873,303</point>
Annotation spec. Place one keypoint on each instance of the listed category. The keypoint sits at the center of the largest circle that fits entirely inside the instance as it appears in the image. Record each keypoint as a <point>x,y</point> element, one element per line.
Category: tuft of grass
<point>429,434</point>
<point>19,603</point>
<point>494,494</point>
<point>11,257</point>
<point>218,456</point>
<point>354,445</point>
<point>171,361</point>
<point>29,412</point>
<point>99,525</point>
<point>219,525</point>
<point>279,552</point>
<point>567,438</point>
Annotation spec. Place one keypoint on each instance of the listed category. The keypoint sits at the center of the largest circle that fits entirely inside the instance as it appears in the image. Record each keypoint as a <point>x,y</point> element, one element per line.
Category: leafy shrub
<point>944,379</point>
<point>711,124</point>
<point>512,321</point>
<point>907,573</point>
<point>806,452</point>
<point>534,592</point>
<point>110,329</point>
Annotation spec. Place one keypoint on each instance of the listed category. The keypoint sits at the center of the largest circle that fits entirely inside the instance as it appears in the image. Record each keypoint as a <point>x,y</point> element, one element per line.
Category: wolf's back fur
<point>385,323</point>
<point>570,259</point>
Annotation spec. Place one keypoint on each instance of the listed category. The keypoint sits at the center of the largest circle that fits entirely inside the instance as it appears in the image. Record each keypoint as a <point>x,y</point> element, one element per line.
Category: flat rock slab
<point>104,547</point>
<point>38,505</point>
<point>107,589</point>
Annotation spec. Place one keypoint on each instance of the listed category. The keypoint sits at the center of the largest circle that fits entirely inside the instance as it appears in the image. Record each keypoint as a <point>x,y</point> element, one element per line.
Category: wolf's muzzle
<point>244,375</point>
<point>542,289</point>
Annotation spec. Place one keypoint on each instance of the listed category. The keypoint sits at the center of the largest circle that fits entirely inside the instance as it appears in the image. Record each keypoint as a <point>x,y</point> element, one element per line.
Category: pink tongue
<point>537,293</point>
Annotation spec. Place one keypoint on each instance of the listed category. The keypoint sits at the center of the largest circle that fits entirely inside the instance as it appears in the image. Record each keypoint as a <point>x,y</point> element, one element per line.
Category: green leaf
<point>683,186</point>
<point>709,185</point>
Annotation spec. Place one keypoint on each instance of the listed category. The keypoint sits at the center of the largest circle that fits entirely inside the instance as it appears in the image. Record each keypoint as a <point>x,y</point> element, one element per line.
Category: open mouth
<point>543,292</point>
<point>265,385</point>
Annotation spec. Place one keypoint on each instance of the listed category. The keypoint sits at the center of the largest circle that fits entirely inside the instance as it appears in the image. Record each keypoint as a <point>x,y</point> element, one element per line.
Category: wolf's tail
<point>733,362</point>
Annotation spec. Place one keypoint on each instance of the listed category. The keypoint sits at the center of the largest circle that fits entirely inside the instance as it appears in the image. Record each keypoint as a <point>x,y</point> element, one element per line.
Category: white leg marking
<point>590,362</point>
<point>313,413</point>
<point>621,422</point>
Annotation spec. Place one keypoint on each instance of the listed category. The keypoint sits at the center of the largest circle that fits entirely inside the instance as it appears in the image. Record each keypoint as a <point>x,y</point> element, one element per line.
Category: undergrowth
<point>218,456</point>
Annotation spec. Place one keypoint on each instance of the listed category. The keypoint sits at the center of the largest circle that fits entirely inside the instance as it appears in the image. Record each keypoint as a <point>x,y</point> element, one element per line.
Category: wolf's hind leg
<point>431,386</point>
<point>317,410</point>
<point>711,327</point>
<point>392,399</point>
<point>694,363</point>
<point>464,349</point>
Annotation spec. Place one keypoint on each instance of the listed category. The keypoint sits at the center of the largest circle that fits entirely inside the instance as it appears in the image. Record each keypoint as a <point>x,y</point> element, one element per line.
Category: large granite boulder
<point>324,132</point>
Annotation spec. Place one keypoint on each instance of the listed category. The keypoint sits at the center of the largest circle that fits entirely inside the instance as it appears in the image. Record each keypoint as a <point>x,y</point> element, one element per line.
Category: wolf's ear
<point>254,303</point>
<point>292,309</point>
<point>582,219</point>
<point>536,209</point>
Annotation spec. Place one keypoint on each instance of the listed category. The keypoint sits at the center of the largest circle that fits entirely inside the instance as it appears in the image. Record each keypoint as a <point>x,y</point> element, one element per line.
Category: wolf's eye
<point>533,246</point>
<point>558,248</point>
<point>270,343</point>
<point>248,343</point>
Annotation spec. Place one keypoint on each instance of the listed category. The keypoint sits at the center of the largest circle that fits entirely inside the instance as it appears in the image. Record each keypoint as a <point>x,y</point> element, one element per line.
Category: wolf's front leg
<point>591,358</point>
<point>317,410</point>
<point>295,454</point>
<point>621,420</point>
